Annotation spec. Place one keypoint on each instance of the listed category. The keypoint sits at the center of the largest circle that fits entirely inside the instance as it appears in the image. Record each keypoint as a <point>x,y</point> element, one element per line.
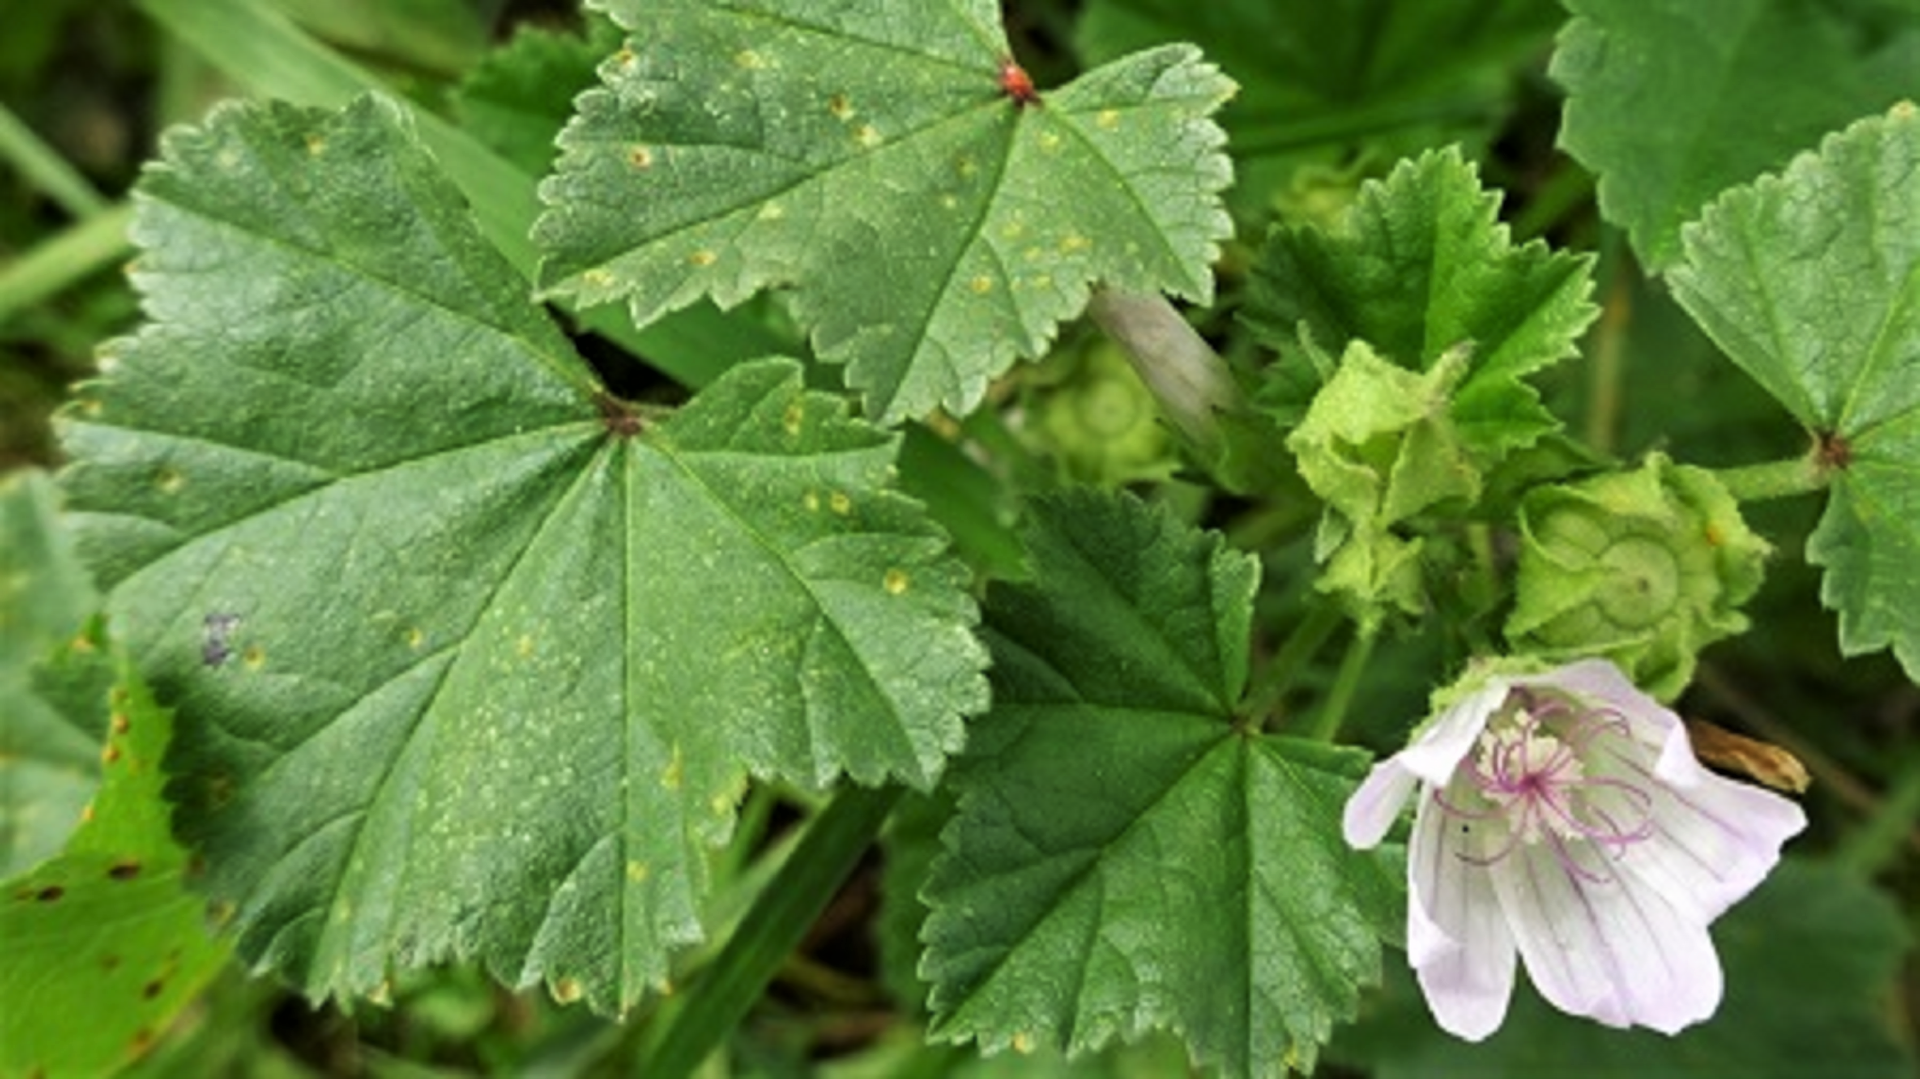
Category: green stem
<point>1607,372</point>
<point>1779,479</point>
<point>74,253</point>
<point>1300,647</point>
<point>1346,682</point>
<point>727,989</point>
<point>45,169</point>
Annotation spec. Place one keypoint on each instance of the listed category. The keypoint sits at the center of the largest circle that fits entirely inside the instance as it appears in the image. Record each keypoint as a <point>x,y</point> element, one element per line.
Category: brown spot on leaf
<point>124,870</point>
<point>153,988</point>
<point>110,754</point>
<point>121,724</point>
<point>50,893</point>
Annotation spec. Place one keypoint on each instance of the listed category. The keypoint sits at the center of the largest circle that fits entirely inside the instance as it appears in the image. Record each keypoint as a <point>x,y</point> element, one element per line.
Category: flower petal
<point>1371,810</point>
<point>1714,839</point>
<point>1457,938</point>
<point>1436,751</point>
<point>1616,951</point>
<point>1600,681</point>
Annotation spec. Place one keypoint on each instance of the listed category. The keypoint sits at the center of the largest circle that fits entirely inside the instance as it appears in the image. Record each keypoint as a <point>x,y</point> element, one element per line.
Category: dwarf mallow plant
<point>1563,815</point>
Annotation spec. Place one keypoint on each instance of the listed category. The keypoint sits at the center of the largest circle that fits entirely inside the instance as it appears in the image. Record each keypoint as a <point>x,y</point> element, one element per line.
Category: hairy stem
<point>1778,479</point>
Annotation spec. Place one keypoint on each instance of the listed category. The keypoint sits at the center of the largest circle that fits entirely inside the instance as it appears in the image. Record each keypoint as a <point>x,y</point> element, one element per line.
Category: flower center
<point>1540,772</point>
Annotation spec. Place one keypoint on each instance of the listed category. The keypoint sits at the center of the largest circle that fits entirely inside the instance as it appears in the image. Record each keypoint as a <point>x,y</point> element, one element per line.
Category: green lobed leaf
<point>495,652</point>
<point>517,99</point>
<point>1126,854</point>
<point>1811,958</point>
<point>1672,101</point>
<point>930,226</point>
<point>1418,267</point>
<point>1810,281</point>
<point>101,946</point>
<point>1319,78</point>
<point>52,696</point>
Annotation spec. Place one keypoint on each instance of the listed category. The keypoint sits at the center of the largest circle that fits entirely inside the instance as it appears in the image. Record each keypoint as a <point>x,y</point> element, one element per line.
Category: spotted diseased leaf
<point>934,215</point>
<point>471,658</point>
<point>1671,102</point>
<point>53,678</point>
<point>101,946</point>
<point>1127,855</point>
<point>1420,268</point>
<point>1810,281</point>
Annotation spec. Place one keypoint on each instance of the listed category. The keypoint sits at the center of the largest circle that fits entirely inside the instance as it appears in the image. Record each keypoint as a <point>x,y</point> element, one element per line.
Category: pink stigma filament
<point>1529,772</point>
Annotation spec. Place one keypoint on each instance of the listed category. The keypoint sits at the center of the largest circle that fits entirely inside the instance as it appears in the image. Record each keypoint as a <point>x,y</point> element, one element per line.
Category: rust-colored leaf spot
<point>1832,450</point>
<point>1017,84</point>
<point>124,870</point>
<point>142,1040</point>
<point>110,754</point>
<point>50,893</point>
<point>619,417</point>
<point>121,724</point>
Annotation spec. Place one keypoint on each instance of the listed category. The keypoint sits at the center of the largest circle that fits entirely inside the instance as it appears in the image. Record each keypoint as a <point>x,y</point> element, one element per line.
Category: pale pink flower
<point>1563,816</point>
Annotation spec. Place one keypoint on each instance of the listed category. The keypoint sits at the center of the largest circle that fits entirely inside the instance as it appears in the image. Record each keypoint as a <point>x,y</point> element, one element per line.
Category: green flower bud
<point>1645,568</point>
<point>1378,447</point>
<point>1091,413</point>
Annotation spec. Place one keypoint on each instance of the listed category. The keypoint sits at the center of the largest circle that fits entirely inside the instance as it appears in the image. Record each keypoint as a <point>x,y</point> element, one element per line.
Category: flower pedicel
<point>1563,817</point>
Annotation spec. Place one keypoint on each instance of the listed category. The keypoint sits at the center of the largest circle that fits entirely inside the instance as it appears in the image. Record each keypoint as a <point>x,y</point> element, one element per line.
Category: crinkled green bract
<point>1379,446</point>
<point>931,223</point>
<point>472,659</point>
<point>1644,568</point>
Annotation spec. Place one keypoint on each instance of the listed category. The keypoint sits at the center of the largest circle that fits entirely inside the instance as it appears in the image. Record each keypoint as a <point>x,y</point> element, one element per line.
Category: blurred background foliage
<point>1821,970</point>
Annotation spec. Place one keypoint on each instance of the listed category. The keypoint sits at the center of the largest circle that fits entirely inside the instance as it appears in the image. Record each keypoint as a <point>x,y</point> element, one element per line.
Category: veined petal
<point>1616,951</point>
<point>1600,681</point>
<point>1457,937</point>
<point>1714,839</point>
<point>1437,751</point>
<point>1371,810</point>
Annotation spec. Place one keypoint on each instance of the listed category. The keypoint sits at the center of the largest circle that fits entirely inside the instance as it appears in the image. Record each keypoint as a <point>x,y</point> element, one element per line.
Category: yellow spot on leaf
<point>896,582</point>
<point>811,501</point>
<point>598,277</point>
<point>567,991</point>
<point>791,420</point>
<point>416,638</point>
<point>949,202</point>
<point>1013,230</point>
<point>981,284</point>
<point>772,211</point>
<point>749,59</point>
<point>640,157</point>
<point>316,144</point>
<point>1108,119</point>
<point>524,646</point>
<point>703,258</point>
<point>867,135</point>
<point>624,57</point>
<point>382,994</point>
<point>1049,140</point>
<point>674,772</point>
<point>840,107</point>
<point>1073,241</point>
<point>169,480</point>
<point>1045,280</point>
<point>1023,1043</point>
<point>637,872</point>
<point>254,657</point>
<point>840,503</point>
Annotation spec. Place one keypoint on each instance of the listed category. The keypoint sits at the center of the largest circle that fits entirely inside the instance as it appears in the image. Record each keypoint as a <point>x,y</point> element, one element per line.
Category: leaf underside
<point>930,227</point>
<point>471,659</point>
<point>1124,857</point>
<point>1810,281</point>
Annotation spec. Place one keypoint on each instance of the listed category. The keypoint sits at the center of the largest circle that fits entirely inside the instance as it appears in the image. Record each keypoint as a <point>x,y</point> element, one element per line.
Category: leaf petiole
<point>1325,723</point>
<point>1301,646</point>
<point>1776,479</point>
